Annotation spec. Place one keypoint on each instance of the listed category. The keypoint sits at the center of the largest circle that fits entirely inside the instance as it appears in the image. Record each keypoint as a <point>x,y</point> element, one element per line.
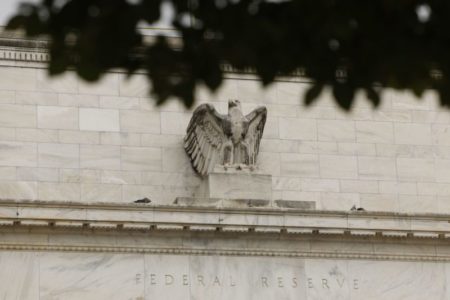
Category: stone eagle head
<point>234,103</point>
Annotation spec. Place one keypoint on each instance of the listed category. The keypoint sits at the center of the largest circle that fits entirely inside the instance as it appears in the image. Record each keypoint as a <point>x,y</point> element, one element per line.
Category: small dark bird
<point>143,200</point>
<point>354,208</point>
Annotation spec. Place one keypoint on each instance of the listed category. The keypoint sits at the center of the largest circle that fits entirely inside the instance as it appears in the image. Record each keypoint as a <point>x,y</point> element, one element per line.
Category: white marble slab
<point>19,276</point>
<point>91,276</point>
<point>53,275</point>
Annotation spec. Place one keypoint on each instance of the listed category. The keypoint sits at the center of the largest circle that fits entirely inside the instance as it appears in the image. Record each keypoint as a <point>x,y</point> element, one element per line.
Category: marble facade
<point>140,276</point>
<point>74,157</point>
<point>74,139</point>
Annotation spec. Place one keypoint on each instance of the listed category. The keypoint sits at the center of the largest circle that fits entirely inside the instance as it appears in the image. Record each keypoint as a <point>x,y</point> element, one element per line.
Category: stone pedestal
<point>232,183</point>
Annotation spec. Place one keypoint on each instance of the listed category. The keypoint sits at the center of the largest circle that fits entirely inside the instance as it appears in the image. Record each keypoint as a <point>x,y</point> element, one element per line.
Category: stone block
<point>13,115</point>
<point>174,122</point>
<point>121,177</point>
<point>440,134</point>
<point>37,174</point>
<point>378,168</point>
<point>298,129</point>
<point>119,102</point>
<point>315,147</point>
<point>392,115</point>
<point>18,190</point>
<point>407,101</point>
<point>374,132</point>
<point>356,149</point>
<point>99,119</point>
<point>299,165</point>
<point>414,134</point>
<point>120,138</point>
<point>295,204</point>
<point>59,191</point>
<point>100,157</point>
<point>419,169</point>
<point>7,97</point>
<point>23,97</point>
<point>18,154</point>
<point>55,117</point>
<point>58,155</point>
<point>78,137</point>
<point>8,134</point>
<point>92,192</point>
<point>320,185</point>
<point>14,78</point>
<point>442,167</point>
<point>395,187</point>
<point>359,186</point>
<point>91,276</point>
<point>140,121</point>
<point>21,271</point>
<point>338,166</point>
<point>299,196</point>
<point>77,100</point>
<point>37,135</point>
<point>271,129</point>
<point>290,92</point>
<point>338,201</point>
<point>236,184</point>
<point>336,130</point>
<point>141,158</point>
<point>176,160</point>
<point>8,173</point>
<point>275,146</point>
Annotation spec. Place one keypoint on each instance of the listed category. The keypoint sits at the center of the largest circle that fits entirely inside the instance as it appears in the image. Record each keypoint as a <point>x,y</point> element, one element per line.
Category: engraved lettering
<point>185,279</point>
<point>355,284</point>
<point>216,281</point>
<point>169,279</point>
<point>310,283</point>
<point>325,283</point>
<point>153,279</point>
<point>339,282</point>
<point>231,281</point>
<point>200,279</point>
<point>264,282</point>
<point>138,278</point>
<point>294,282</point>
<point>280,282</point>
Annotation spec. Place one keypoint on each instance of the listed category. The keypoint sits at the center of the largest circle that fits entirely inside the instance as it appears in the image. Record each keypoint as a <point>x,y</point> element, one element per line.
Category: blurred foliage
<point>348,45</point>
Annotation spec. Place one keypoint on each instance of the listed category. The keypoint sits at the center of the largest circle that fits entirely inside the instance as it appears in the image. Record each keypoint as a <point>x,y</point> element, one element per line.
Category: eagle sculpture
<point>230,140</point>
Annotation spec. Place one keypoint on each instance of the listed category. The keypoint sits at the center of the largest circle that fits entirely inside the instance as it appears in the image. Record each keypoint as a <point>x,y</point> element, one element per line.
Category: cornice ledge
<point>228,252</point>
<point>221,216</point>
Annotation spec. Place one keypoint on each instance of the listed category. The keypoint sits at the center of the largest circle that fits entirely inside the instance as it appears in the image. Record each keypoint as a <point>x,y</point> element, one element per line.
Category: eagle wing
<point>204,138</point>
<point>257,120</point>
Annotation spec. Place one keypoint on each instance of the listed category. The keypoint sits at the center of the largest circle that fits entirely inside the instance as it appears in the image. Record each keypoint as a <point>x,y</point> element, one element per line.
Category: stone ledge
<point>243,203</point>
<point>238,219</point>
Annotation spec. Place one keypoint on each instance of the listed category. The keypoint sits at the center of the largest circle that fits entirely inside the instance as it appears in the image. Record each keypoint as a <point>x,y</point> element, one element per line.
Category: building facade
<point>74,158</point>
